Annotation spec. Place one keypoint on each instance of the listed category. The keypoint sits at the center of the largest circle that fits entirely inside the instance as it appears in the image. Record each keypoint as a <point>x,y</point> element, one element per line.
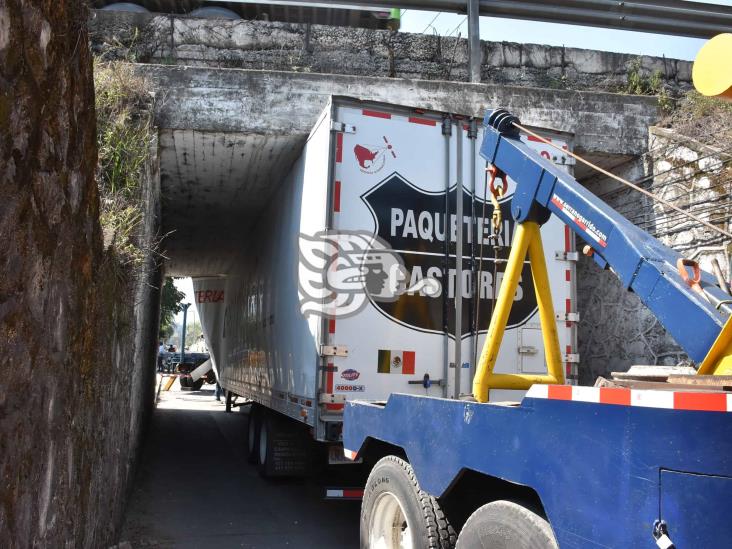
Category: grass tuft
<point>125,133</point>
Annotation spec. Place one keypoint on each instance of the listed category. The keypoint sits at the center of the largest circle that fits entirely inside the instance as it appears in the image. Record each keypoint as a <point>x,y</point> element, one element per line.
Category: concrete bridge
<point>236,100</point>
<point>228,136</point>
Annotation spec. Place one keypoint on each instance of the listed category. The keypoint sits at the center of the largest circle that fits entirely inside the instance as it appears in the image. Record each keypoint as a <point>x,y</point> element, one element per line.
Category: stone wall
<point>171,39</point>
<point>616,329</point>
<point>77,327</point>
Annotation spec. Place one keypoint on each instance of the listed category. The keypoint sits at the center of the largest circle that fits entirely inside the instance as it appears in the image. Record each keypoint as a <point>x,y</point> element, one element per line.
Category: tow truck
<point>637,465</point>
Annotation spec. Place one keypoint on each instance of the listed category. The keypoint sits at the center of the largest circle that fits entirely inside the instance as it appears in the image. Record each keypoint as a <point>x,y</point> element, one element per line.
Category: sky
<point>554,34</point>
<point>185,285</point>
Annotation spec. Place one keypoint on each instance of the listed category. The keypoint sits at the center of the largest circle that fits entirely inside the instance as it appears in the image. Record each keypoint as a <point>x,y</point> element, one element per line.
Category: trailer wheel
<point>266,436</point>
<point>255,414</point>
<point>397,513</point>
<point>196,385</point>
<point>506,525</point>
<point>185,381</point>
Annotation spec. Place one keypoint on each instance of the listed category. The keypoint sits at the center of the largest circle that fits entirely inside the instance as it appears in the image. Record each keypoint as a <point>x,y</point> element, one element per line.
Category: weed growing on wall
<point>639,83</point>
<point>124,106</point>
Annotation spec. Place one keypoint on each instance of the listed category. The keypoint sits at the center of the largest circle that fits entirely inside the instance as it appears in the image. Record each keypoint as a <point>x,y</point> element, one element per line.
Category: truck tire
<point>196,385</point>
<point>185,382</point>
<point>396,512</point>
<point>506,525</point>
<point>265,455</point>
<point>255,413</point>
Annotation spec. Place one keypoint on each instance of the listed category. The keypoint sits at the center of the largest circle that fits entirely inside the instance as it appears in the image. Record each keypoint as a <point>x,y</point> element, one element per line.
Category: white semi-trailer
<point>347,282</point>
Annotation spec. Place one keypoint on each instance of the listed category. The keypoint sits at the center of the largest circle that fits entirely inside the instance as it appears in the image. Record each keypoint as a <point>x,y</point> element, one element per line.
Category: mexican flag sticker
<point>396,362</point>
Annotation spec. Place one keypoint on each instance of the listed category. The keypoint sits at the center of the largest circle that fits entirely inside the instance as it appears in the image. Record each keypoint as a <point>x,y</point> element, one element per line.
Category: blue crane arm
<point>642,263</point>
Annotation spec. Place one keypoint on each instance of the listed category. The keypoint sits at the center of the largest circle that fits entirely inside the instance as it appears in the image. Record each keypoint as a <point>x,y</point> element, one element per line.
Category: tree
<point>170,305</point>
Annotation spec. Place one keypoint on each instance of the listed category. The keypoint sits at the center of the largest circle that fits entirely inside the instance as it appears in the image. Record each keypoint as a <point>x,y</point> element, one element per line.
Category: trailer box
<point>346,284</point>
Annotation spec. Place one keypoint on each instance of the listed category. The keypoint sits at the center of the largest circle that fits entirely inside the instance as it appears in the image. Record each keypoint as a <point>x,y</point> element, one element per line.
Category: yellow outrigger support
<point>527,239</point>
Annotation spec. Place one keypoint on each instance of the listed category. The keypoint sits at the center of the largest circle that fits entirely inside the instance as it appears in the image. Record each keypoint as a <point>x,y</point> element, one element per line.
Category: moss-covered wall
<point>77,329</point>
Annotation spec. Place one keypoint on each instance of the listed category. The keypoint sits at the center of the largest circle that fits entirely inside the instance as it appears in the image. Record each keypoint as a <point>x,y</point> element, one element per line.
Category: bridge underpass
<point>228,136</point>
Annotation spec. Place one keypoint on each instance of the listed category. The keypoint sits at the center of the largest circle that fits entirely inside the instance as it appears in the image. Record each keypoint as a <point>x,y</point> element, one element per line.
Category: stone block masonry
<point>616,330</point>
<point>77,330</point>
<point>261,45</point>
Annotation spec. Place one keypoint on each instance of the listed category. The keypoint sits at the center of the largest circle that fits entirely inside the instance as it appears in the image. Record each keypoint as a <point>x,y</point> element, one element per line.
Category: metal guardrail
<point>673,17</point>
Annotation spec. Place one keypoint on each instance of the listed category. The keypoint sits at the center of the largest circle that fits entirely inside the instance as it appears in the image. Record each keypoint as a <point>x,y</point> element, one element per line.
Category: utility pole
<point>474,53</point>
<point>183,330</point>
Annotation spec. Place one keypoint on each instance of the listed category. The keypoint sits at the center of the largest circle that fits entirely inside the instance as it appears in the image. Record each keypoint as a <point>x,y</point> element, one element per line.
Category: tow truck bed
<point>607,463</point>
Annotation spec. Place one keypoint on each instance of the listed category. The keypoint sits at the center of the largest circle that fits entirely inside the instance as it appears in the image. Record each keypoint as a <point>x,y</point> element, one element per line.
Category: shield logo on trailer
<point>412,222</point>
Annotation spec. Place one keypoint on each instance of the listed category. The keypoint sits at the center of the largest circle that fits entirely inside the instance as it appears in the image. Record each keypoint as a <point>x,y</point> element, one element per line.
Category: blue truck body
<point>605,473</point>
<point>611,466</point>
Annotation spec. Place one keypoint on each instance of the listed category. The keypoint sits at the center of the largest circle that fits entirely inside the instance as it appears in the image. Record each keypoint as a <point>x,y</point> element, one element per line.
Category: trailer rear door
<point>395,179</point>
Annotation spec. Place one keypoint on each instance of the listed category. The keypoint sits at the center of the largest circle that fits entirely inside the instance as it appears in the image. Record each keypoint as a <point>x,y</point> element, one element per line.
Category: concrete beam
<point>271,102</point>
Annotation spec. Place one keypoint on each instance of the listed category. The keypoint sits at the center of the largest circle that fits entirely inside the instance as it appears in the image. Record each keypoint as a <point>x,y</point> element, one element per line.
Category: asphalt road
<point>194,488</point>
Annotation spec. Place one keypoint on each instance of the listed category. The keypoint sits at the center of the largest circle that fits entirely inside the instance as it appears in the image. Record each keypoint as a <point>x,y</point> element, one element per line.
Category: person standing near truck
<point>161,356</point>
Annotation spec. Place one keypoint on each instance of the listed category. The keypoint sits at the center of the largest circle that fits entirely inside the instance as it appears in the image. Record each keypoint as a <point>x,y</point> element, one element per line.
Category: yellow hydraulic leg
<point>527,238</point>
<point>718,361</point>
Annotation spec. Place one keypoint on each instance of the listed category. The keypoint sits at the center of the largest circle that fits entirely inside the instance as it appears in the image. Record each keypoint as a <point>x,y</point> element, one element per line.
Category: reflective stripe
<point>704,401</point>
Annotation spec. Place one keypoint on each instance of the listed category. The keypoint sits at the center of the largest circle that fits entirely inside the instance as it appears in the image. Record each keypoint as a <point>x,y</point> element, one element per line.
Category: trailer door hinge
<point>333,350</point>
<point>568,317</point>
<point>566,256</point>
<point>331,398</point>
<point>570,358</point>
<point>336,126</point>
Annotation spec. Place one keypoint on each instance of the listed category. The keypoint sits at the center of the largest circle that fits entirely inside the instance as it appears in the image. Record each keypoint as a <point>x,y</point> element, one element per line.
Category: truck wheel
<point>253,433</point>
<point>506,525</point>
<point>185,381</point>
<point>196,385</point>
<point>266,436</point>
<point>396,512</point>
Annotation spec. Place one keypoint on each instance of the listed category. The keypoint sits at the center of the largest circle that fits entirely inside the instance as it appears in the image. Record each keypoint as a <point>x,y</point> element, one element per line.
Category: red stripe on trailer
<point>714,402</point>
<point>337,197</point>
<point>423,121</point>
<point>615,395</point>
<point>352,493</point>
<point>334,406</point>
<point>331,326</point>
<point>329,378</point>
<point>376,114</point>
<point>568,309</point>
<point>567,241</point>
<point>560,392</point>
<point>568,275</point>
<point>339,147</point>
<point>532,138</point>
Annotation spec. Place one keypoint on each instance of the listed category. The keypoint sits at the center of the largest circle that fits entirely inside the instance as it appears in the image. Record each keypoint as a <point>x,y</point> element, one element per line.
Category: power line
<point>430,23</point>
<point>459,25</point>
